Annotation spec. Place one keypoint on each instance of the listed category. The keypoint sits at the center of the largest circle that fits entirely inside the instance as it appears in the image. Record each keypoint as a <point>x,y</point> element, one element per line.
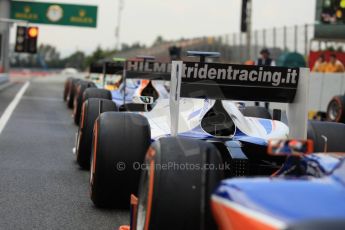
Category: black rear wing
<point>147,69</point>
<point>245,83</point>
<point>107,68</point>
<point>238,82</point>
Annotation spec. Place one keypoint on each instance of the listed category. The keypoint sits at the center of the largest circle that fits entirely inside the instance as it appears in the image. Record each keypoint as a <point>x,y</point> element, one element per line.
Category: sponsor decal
<point>242,75</point>
<point>148,70</point>
<point>54,13</point>
<point>238,82</point>
<point>148,66</point>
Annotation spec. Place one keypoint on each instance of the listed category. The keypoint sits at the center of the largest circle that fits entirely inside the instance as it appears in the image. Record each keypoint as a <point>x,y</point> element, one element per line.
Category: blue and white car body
<point>186,111</point>
<point>134,88</point>
<point>192,112</point>
<point>130,88</point>
<point>283,201</point>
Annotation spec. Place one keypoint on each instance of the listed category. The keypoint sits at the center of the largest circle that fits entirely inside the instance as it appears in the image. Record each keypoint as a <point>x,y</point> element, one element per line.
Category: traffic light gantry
<point>26,39</point>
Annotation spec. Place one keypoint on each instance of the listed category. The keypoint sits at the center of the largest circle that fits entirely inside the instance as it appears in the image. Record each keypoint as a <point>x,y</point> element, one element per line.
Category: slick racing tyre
<point>327,136</point>
<point>71,92</point>
<point>66,88</point>
<point>97,93</point>
<point>91,109</point>
<point>336,109</point>
<point>120,142</point>
<point>178,197</point>
<point>78,98</point>
<point>132,107</point>
<point>256,111</point>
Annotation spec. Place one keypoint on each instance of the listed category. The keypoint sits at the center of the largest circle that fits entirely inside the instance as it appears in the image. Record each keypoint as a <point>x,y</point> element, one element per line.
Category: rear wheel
<point>66,88</point>
<point>78,99</point>
<point>178,197</point>
<point>71,92</point>
<point>97,93</point>
<point>91,109</point>
<point>119,145</point>
<point>336,109</point>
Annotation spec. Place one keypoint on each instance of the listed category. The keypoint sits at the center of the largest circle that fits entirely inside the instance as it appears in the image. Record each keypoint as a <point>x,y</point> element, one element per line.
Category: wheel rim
<point>333,111</point>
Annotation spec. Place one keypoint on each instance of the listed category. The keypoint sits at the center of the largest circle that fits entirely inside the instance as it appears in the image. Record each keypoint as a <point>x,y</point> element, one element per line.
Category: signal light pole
<point>4,32</point>
<point>117,30</point>
<point>246,24</point>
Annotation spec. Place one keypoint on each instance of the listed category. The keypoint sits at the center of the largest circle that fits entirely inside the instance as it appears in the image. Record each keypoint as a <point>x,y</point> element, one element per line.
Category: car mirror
<point>290,147</point>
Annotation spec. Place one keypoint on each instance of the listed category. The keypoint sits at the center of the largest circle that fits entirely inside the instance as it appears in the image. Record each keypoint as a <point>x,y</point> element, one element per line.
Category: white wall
<point>322,87</point>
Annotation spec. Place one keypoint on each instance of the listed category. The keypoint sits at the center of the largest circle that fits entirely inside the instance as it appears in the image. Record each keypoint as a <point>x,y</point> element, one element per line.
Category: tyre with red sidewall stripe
<point>78,99</point>
<point>66,88</point>
<point>91,109</point>
<point>119,146</point>
<point>178,197</point>
<point>71,92</point>
<point>336,109</point>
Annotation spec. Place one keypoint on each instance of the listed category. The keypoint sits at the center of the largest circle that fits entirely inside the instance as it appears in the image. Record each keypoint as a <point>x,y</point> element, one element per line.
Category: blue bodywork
<point>131,87</point>
<point>293,199</point>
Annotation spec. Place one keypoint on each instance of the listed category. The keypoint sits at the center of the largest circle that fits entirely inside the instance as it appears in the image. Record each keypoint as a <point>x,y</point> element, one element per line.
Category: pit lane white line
<point>12,106</point>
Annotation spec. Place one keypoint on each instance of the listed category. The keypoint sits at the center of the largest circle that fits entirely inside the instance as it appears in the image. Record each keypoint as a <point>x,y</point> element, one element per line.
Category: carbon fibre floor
<point>41,187</point>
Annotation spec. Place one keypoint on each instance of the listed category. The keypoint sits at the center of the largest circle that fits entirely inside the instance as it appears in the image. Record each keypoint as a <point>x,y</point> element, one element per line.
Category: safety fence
<point>234,47</point>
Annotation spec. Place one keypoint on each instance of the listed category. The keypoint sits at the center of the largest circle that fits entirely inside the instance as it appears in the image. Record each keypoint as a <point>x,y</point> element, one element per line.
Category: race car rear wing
<point>147,69</point>
<point>111,67</point>
<point>245,83</point>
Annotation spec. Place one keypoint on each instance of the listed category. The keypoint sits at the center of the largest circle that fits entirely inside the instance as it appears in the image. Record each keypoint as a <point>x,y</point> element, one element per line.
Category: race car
<point>105,77</point>
<point>106,82</point>
<point>307,192</point>
<point>193,125</point>
<point>137,92</point>
<point>102,75</point>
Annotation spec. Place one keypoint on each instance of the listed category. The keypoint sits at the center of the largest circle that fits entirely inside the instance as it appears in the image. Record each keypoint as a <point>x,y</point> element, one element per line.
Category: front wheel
<point>176,185</point>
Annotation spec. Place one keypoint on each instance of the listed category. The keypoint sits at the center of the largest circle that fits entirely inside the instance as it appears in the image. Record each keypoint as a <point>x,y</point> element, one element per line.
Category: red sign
<point>313,56</point>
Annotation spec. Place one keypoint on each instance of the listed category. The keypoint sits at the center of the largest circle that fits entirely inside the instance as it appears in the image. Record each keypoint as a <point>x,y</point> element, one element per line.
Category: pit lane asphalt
<point>41,187</point>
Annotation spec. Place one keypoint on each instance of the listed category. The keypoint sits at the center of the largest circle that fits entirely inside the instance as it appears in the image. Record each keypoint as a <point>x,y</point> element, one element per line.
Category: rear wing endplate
<point>245,83</point>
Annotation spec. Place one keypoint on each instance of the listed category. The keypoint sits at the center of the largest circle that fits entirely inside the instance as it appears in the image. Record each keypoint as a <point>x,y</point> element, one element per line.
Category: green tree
<point>76,60</point>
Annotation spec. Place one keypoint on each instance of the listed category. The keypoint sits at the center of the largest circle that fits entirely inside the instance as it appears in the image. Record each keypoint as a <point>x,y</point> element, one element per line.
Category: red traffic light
<point>33,32</point>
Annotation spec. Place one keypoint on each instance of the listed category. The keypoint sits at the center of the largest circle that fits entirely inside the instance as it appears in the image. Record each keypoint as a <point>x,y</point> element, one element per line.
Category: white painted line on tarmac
<point>12,106</point>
